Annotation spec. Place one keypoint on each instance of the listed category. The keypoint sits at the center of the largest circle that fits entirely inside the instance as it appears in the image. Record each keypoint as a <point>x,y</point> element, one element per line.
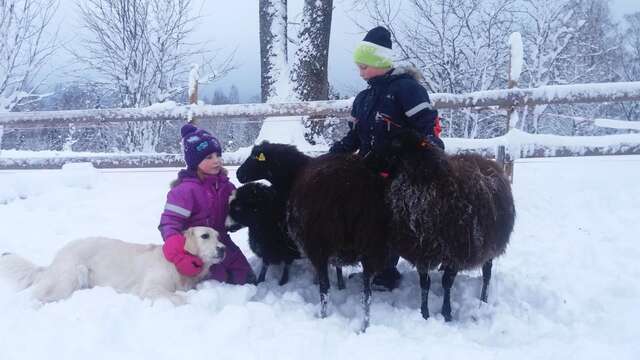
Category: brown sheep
<point>453,211</point>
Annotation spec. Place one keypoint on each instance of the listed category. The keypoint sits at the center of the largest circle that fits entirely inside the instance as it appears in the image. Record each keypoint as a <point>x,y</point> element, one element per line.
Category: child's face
<point>211,165</point>
<point>367,72</point>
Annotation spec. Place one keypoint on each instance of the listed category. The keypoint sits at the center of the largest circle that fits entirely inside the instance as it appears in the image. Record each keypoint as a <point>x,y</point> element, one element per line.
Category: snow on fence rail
<point>518,144</point>
<point>556,94</point>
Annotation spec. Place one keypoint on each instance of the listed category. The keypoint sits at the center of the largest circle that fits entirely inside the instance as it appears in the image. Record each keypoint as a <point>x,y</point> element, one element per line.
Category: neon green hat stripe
<point>371,55</point>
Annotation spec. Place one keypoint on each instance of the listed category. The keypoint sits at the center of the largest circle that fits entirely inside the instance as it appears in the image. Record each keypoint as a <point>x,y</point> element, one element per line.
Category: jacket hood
<point>410,70</point>
<point>397,73</point>
<point>191,175</point>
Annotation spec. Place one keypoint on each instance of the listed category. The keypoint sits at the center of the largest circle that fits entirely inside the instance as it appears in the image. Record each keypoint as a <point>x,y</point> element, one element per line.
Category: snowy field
<point>567,288</point>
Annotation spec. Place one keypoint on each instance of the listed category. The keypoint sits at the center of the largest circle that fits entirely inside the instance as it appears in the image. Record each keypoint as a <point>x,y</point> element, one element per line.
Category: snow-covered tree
<point>459,46</point>
<point>25,46</point>
<point>142,49</point>
<point>566,42</point>
<point>306,79</point>
<point>630,63</point>
<point>274,74</point>
<point>309,72</point>
<point>234,95</point>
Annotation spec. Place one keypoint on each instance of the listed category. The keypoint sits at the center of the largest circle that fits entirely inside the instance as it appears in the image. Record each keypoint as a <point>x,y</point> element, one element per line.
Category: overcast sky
<point>229,25</point>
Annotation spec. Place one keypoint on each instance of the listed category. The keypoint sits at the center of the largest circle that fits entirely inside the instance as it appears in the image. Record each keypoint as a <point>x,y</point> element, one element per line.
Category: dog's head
<point>248,204</point>
<point>204,242</point>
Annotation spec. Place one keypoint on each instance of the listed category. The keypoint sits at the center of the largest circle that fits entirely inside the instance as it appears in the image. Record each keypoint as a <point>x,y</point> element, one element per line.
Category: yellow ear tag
<point>261,157</point>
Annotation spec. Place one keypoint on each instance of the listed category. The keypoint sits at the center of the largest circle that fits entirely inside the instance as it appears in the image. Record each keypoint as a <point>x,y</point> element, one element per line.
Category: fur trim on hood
<point>411,70</point>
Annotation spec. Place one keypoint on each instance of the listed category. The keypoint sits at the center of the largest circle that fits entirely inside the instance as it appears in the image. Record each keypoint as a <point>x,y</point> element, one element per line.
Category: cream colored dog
<point>128,268</point>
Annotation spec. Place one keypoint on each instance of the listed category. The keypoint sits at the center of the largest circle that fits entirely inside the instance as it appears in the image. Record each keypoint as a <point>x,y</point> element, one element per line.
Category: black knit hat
<point>379,36</point>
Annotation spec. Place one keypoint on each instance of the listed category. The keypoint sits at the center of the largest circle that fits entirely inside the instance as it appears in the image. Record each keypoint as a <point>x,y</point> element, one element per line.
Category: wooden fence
<point>507,100</point>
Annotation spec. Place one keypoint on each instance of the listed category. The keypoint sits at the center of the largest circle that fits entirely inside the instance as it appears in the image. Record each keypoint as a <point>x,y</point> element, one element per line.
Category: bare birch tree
<point>24,49</point>
<point>142,49</point>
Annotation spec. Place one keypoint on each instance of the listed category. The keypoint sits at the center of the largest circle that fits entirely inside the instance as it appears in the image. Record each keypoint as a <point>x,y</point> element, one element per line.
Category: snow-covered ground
<point>567,288</point>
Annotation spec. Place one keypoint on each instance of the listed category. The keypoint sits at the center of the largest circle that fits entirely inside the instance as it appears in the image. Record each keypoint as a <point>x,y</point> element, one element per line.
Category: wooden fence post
<point>515,68</point>
<point>194,76</point>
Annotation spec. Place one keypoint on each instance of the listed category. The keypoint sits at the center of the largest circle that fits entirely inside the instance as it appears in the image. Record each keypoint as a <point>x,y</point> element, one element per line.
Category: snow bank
<point>566,289</point>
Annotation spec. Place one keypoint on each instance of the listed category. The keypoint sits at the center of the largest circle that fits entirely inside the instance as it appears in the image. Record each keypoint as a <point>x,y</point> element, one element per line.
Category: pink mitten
<point>186,263</point>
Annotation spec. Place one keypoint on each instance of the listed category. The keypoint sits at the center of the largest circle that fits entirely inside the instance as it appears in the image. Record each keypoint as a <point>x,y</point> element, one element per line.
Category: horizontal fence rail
<point>556,94</point>
<point>517,143</point>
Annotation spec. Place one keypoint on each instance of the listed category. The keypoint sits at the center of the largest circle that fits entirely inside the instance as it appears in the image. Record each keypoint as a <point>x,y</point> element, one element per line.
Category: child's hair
<point>197,145</point>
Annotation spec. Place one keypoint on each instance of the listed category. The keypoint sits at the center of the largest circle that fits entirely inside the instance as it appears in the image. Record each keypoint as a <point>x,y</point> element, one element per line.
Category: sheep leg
<point>447,282</point>
<point>425,284</point>
<point>285,274</point>
<point>263,272</point>
<point>486,277</point>
<point>323,282</point>
<point>340,278</point>
<point>366,299</point>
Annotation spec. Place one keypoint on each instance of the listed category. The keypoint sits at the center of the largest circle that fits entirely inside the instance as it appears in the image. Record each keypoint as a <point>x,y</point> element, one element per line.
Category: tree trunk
<point>312,57</point>
<point>273,44</point>
<point>310,70</point>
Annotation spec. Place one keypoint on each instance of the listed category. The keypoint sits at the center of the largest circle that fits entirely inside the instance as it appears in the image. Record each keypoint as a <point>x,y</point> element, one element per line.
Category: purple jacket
<point>195,202</point>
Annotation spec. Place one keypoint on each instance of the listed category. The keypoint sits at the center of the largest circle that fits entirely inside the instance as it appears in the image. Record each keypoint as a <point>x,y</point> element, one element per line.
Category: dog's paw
<point>177,300</point>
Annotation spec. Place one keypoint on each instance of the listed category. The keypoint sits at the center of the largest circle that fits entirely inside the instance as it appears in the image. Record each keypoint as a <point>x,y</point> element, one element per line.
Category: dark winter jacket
<point>195,202</point>
<point>392,101</point>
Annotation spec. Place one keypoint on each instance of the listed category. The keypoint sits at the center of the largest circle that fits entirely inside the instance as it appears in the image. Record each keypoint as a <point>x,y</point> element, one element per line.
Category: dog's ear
<point>191,244</point>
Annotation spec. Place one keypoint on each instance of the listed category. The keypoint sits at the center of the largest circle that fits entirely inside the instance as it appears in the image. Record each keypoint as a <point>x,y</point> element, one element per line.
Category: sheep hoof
<point>388,280</point>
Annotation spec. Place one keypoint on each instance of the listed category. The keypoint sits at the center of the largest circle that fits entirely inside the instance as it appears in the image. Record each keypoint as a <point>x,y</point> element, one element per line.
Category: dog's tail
<point>18,270</point>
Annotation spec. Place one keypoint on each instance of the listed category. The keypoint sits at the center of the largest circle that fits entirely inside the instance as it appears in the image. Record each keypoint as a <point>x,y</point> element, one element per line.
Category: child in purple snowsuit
<point>199,197</point>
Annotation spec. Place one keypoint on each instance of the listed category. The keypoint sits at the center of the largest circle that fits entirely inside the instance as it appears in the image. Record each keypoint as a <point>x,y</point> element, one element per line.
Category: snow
<point>566,288</point>
<point>618,124</point>
<point>517,57</point>
<point>194,76</point>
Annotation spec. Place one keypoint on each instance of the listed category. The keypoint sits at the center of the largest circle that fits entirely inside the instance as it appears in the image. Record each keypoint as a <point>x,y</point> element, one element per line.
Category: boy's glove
<point>186,263</point>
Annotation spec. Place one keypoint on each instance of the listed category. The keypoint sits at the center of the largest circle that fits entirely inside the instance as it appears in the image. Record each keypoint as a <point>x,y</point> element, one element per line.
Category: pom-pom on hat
<point>375,49</point>
<point>197,145</point>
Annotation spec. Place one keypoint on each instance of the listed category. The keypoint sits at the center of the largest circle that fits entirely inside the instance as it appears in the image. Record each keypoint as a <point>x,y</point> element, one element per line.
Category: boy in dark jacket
<point>395,99</point>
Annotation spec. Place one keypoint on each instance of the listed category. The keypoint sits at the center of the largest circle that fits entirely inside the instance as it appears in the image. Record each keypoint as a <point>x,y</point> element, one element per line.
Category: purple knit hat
<point>197,145</point>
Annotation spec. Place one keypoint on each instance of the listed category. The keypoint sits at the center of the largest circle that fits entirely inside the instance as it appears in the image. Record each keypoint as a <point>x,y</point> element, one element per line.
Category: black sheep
<point>256,206</point>
<point>454,211</point>
<point>335,213</point>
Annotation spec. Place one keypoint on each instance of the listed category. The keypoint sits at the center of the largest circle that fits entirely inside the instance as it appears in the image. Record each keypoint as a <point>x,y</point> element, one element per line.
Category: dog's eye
<point>204,236</point>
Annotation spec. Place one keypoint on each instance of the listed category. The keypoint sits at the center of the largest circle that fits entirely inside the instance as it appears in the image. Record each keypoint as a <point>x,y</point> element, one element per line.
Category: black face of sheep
<point>453,211</point>
<point>255,205</point>
<point>255,166</point>
<point>277,163</point>
<point>249,204</point>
